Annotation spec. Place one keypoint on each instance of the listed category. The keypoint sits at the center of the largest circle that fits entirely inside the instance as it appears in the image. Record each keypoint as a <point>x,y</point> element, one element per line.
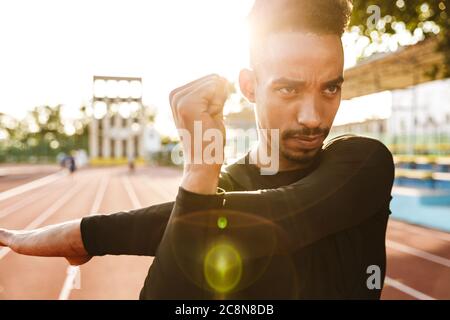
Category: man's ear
<point>247,83</point>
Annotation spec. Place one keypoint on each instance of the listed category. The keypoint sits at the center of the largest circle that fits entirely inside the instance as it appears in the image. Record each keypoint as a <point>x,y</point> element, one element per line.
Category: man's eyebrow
<point>297,83</point>
<point>338,80</point>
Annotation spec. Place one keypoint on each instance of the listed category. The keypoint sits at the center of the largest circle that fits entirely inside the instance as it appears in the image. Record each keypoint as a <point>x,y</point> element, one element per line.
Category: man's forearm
<point>202,179</point>
<point>60,240</point>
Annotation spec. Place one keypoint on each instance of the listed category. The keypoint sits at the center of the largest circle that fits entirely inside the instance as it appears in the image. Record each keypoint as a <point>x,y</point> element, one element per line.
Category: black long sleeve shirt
<point>309,233</point>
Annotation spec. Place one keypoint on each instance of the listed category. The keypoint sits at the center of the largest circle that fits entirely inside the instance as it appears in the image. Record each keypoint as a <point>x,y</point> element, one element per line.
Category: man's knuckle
<point>183,107</point>
<point>171,95</point>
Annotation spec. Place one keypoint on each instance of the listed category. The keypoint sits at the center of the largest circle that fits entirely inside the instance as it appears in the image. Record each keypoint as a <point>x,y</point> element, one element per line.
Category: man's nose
<point>308,113</point>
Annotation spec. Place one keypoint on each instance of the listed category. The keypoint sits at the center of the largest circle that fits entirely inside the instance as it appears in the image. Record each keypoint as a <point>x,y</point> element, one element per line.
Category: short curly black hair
<point>316,16</point>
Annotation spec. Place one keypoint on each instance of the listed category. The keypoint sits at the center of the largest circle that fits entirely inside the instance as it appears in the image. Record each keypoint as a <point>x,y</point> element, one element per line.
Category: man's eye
<point>287,90</point>
<point>332,89</point>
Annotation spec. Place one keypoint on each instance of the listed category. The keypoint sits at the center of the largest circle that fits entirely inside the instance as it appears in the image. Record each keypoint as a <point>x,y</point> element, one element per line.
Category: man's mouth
<point>306,142</point>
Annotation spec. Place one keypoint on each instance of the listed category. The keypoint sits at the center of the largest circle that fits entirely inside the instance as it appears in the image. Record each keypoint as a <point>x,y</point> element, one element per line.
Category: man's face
<point>297,89</point>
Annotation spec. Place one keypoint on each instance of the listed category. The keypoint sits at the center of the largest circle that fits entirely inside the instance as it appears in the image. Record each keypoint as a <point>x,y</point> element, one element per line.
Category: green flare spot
<point>222,222</point>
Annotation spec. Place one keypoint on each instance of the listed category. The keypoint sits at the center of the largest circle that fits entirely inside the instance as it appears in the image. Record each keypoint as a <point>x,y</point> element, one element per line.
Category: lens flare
<point>223,268</point>
<point>222,222</point>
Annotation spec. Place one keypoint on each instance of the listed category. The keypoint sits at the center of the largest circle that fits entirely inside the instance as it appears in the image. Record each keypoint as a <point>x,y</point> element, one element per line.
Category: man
<point>312,230</point>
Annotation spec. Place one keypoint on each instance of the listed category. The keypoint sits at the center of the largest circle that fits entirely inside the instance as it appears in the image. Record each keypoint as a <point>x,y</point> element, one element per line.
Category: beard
<point>301,155</point>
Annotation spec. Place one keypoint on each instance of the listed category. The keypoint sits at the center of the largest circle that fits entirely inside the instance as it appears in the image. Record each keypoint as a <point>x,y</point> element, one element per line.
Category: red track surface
<point>15,175</point>
<point>418,258</point>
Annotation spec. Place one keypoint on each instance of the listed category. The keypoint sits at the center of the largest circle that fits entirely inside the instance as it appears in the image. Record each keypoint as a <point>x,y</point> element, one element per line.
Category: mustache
<point>305,131</point>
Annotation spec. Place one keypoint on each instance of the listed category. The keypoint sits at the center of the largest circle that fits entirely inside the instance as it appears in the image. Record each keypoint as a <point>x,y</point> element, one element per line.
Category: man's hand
<point>61,240</point>
<point>197,108</point>
<point>5,237</point>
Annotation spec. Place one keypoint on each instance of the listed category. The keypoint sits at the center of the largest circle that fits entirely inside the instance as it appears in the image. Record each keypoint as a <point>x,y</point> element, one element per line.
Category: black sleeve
<point>136,232</point>
<point>352,183</point>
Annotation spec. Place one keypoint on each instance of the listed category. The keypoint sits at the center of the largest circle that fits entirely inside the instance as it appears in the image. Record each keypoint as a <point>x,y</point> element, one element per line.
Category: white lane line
<point>72,281</point>
<point>47,213</point>
<point>32,185</point>
<point>55,207</point>
<point>131,192</point>
<point>100,194</point>
<point>164,194</point>
<point>420,231</point>
<point>73,277</point>
<point>22,203</point>
<point>418,253</point>
<point>408,290</point>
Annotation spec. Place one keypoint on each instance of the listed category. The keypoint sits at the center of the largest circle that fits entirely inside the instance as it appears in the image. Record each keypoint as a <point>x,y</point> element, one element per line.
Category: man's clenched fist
<point>197,108</point>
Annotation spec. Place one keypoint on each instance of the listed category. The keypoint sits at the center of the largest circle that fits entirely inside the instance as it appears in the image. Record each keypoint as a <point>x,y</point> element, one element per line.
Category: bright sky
<point>51,49</point>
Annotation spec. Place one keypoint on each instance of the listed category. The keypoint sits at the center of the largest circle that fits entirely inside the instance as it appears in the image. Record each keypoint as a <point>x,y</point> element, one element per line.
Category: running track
<point>418,258</point>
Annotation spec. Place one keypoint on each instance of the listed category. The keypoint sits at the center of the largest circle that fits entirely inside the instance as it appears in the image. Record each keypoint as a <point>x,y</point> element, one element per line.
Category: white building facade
<point>117,129</point>
<point>418,121</point>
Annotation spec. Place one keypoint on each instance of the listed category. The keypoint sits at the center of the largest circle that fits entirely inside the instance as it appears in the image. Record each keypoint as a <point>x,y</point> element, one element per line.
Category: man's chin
<point>302,156</point>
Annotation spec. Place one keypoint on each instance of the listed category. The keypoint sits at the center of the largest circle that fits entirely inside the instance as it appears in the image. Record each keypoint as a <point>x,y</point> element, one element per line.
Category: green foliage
<point>415,14</point>
<point>39,137</point>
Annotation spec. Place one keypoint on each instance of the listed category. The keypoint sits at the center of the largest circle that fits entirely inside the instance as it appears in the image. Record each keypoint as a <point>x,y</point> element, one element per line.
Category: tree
<point>40,136</point>
<point>429,17</point>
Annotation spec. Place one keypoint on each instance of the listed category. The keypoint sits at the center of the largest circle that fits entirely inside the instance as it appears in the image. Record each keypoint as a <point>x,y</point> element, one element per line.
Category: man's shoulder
<point>354,140</point>
<point>357,144</point>
<point>366,160</point>
<point>359,151</point>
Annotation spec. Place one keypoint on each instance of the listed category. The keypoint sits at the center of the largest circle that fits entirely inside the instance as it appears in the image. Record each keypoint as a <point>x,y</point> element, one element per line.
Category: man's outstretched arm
<point>337,183</point>
<point>59,240</point>
<point>136,232</point>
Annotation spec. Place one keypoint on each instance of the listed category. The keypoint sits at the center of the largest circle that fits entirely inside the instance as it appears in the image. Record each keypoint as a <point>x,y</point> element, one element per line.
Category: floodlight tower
<point>116,132</point>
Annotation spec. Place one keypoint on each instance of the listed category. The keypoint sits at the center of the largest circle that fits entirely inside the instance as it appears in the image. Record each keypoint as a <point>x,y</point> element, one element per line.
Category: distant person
<point>69,163</point>
<point>131,163</point>
<point>72,165</point>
